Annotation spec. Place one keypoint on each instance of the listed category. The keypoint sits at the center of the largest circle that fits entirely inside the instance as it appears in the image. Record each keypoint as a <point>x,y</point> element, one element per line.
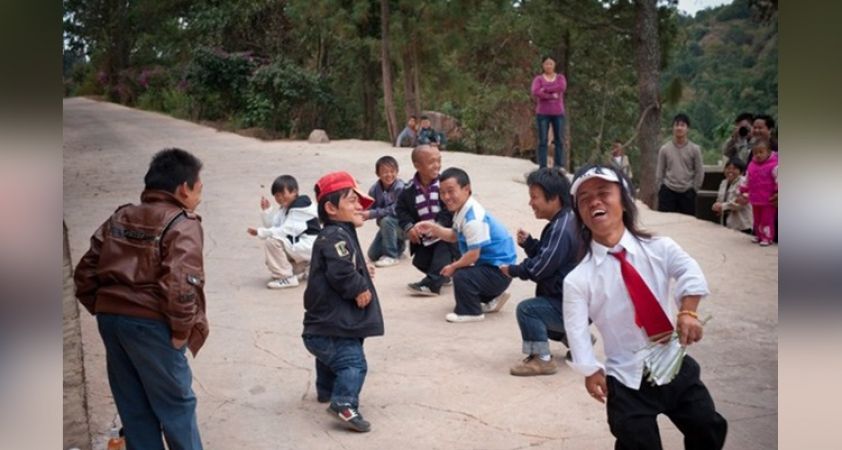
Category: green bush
<point>285,97</point>
<point>218,81</point>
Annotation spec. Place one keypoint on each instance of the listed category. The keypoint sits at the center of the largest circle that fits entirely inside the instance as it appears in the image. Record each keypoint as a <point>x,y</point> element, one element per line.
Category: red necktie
<point>648,312</point>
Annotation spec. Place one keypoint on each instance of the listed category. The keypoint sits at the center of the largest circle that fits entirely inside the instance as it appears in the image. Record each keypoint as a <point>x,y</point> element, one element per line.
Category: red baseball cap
<point>336,181</point>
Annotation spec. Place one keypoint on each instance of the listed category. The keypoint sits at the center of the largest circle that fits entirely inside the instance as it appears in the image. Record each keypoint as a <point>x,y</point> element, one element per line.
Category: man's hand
<point>264,203</point>
<point>505,270</point>
<point>522,236</point>
<point>413,235</point>
<point>178,343</point>
<point>427,227</point>
<point>370,270</point>
<point>717,207</point>
<point>363,299</point>
<point>252,231</point>
<point>596,386</point>
<point>690,329</point>
<point>447,271</point>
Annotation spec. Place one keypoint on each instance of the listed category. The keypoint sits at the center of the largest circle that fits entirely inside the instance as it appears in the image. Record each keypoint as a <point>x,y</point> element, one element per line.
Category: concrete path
<point>431,384</point>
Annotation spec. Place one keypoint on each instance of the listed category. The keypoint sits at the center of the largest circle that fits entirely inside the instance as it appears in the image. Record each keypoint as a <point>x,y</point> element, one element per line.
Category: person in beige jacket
<point>732,214</point>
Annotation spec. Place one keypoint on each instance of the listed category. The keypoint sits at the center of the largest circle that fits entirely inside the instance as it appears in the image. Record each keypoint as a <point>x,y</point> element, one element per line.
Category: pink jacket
<point>761,180</point>
<point>549,96</point>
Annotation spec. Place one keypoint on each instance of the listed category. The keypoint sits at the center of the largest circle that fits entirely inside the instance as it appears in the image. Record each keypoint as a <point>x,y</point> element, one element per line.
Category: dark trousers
<point>557,124</point>
<point>431,260</point>
<point>680,202</point>
<point>340,367</point>
<point>475,285</point>
<point>686,401</point>
<point>150,381</point>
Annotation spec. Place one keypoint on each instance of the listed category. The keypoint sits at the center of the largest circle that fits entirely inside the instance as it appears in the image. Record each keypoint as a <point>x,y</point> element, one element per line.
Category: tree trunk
<point>386,65</point>
<point>410,96</point>
<point>369,80</point>
<point>564,52</point>
<point>416,77</point>
<point>647,62</point>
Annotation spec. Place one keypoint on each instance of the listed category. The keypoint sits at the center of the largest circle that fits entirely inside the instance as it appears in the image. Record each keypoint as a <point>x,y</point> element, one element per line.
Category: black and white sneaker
<point>421,289</point>
<point>349,417</point>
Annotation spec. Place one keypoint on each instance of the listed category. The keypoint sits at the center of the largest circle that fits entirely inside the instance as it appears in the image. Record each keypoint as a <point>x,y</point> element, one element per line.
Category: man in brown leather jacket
<point>143,278</point>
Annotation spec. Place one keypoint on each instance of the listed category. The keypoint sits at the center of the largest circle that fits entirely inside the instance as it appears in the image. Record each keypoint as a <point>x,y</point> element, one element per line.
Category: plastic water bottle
<point>115,441</point>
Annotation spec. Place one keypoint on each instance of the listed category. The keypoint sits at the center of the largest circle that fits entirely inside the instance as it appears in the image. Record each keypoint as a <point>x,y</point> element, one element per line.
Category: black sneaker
<point>421,289</point>
<point>349,417</point>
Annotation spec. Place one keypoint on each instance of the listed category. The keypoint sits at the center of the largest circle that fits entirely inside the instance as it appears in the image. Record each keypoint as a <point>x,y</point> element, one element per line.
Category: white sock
<point>545,358</point>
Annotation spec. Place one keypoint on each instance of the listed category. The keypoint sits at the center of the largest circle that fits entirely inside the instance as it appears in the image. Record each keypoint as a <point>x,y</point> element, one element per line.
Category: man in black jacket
<point>340,302</point>
<point>418,202</point>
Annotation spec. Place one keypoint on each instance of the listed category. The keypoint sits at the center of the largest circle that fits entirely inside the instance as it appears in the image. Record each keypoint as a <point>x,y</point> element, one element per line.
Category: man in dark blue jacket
<point>340,302</point>
<point>548,262</point>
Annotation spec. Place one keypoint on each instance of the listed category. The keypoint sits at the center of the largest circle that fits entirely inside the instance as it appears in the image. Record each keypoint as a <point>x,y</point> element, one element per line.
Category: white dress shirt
<point>595,289</point>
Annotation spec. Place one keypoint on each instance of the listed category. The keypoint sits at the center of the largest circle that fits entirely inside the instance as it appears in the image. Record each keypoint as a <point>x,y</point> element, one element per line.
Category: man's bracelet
<point>692,314</point>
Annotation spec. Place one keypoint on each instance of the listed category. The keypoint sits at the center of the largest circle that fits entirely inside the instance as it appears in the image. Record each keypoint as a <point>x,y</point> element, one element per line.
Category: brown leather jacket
<point>146,261</point>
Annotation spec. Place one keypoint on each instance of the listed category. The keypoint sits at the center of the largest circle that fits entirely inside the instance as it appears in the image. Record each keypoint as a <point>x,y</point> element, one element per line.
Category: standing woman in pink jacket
<point>548,92</point>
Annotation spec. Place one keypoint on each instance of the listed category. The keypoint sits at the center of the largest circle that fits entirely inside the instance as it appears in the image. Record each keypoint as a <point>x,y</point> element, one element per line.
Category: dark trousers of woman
<point>680,202</point>
<point>557,123</point>
<point>632,415</point>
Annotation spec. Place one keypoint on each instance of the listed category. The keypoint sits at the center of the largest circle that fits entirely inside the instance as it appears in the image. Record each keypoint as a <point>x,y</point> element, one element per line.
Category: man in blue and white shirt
<point>478,283</point>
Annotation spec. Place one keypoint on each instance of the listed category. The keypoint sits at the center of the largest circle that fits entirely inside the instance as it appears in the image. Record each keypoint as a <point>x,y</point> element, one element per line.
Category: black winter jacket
<point>338,273</point>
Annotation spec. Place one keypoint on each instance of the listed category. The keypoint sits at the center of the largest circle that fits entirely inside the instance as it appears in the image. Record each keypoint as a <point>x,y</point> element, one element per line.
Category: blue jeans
<point>150,381</point>
<point>534,317</point>
<point>557,122</point>
<point>475,285</point>
<point>390,240</point>
<point>340,367</point>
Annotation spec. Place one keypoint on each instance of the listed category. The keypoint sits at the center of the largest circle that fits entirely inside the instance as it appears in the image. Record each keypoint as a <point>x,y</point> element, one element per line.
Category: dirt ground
<point>431,384</point>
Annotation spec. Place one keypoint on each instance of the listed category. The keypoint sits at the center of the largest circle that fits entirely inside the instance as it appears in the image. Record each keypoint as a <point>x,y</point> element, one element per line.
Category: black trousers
<point>431,260</point>
<point>686,401</point>
<point>680,202</point>
<point>475,285</point>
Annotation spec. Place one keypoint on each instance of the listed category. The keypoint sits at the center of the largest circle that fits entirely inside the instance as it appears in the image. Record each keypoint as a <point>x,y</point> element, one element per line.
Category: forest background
<point>276,69</point>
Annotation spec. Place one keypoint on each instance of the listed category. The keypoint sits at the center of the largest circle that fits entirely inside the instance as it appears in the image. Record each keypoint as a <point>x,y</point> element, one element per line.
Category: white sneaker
<point>496,304</point>
<point>456,318</point>
<point>386,261</point>
<point>283,283</point>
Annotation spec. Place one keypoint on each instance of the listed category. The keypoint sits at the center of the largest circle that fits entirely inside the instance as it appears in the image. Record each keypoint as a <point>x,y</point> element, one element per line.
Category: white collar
<point>627,242</point>
<point>460,215</point>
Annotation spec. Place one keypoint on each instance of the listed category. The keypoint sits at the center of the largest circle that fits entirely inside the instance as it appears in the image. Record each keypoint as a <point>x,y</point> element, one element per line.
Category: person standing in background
<point>548,91</point>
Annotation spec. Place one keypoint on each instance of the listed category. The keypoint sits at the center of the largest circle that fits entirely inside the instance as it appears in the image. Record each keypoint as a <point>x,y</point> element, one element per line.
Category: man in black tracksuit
<point>340,302</point>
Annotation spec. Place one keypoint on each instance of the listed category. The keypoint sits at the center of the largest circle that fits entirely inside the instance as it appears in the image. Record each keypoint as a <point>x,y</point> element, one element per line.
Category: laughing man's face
<point>600,207</point>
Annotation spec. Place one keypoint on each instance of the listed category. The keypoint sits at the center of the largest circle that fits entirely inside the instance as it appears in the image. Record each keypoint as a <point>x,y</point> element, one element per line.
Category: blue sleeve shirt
<point>476,229</point>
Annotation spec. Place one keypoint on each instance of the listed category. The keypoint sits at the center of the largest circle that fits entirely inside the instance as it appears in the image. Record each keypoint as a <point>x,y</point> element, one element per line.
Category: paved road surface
<point>431,384</point>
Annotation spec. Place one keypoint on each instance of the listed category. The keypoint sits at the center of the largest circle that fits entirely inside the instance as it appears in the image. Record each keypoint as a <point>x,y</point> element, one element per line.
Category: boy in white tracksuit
<point>289,232</point>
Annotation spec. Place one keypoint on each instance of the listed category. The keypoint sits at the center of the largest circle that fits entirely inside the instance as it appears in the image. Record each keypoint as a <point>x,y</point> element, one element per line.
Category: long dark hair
<point>626,199</point>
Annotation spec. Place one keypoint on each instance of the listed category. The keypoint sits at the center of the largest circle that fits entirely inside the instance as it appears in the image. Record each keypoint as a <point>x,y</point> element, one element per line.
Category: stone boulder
<point>445,124</point>
<point>318,136</point>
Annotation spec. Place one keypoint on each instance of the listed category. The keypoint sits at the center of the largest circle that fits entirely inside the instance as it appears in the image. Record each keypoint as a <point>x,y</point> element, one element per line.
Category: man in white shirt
<point>602,288</point>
